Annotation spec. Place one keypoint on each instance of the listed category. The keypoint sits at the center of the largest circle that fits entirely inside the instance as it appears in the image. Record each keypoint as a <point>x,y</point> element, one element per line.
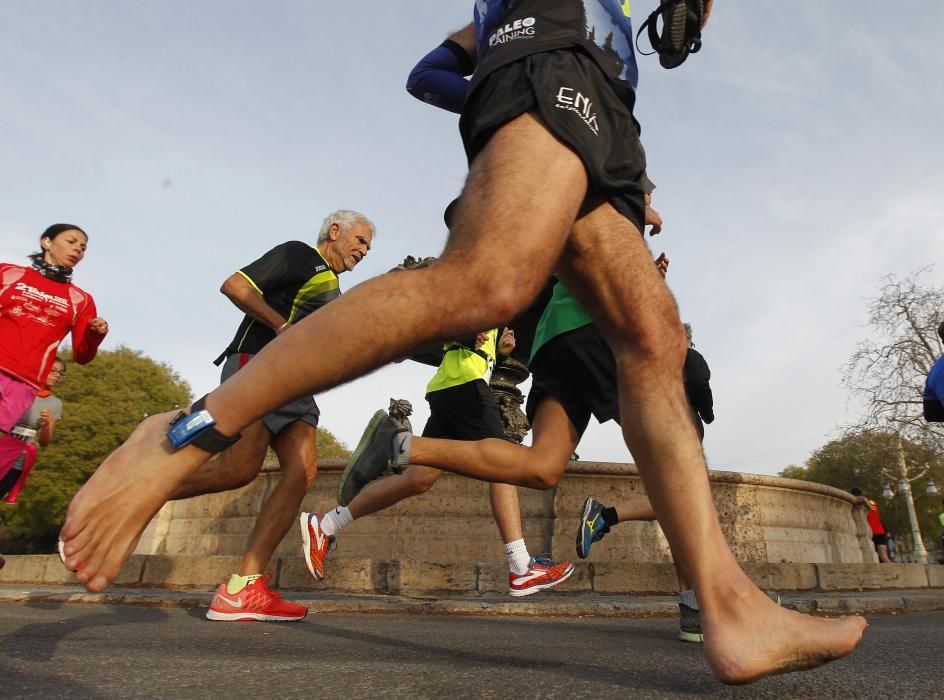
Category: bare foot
<point>108,514</point>
<point>756,638</point>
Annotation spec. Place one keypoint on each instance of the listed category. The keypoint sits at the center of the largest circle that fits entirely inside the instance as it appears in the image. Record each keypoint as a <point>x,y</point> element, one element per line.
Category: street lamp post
<point>904,488</point>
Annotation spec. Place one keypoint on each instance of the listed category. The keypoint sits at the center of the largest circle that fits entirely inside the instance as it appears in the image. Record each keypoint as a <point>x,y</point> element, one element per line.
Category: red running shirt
<point>874,521</point>
<point>36,314</point>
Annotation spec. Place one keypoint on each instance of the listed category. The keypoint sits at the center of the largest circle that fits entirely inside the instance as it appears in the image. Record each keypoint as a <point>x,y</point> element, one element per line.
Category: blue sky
<point>797,159</point>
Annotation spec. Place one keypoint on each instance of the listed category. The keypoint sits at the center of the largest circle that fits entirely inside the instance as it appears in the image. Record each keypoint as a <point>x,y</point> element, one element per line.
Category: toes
<point>77,551</point>
<point>98,584</point>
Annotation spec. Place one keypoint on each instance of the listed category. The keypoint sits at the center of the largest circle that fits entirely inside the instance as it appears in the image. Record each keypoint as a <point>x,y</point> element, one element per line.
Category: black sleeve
<point>283,264</point>
<point>933,411</point>
<point>697,376</point>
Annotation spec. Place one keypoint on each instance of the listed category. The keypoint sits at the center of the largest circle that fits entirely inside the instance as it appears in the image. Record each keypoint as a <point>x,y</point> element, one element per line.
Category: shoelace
<point>266,578</point>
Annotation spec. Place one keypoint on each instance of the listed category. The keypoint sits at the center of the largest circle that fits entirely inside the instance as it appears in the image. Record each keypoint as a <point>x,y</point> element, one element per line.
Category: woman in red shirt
<point>39,307</point>
<point>879,536</point>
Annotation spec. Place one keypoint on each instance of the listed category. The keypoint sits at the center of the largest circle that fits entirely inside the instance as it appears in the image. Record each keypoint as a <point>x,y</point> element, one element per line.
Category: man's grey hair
<point>344,218</point>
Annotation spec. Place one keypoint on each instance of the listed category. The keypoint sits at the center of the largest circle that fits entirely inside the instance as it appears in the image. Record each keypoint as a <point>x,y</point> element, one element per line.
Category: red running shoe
<point>254,602</point>
<point>542,573</point>
<point>315,543</point>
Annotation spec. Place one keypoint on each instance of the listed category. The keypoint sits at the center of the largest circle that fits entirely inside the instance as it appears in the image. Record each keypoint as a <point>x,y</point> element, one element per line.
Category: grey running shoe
<point>690,620</point>
<point>373,457</point>
<point>689,624</point>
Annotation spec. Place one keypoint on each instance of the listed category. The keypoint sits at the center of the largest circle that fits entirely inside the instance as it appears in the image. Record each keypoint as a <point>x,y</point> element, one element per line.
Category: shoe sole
<point>521,592</point>
<point>367,436</point>
<point>306,545</point>
<point>249,617</point>
<point>583,523</point>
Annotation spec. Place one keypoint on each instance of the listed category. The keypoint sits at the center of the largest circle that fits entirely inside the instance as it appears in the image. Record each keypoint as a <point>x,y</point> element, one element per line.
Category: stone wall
<point>765,519</point>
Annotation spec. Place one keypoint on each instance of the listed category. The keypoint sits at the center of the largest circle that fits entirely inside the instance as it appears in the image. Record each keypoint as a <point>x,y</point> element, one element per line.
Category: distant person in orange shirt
<point>879,535</point>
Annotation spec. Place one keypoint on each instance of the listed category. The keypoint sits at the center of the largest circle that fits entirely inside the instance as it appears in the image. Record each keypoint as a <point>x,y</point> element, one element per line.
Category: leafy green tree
<point>325,442</point>
<point>102,403</point>
<point>868,459</point>
<point>330,446</point>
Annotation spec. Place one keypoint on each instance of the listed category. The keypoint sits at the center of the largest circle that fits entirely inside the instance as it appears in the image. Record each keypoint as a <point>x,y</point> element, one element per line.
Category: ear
<point>334,232</point>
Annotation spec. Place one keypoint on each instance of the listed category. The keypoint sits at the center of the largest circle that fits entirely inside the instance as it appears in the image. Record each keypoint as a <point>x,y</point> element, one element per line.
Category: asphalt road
<point>92,651</point>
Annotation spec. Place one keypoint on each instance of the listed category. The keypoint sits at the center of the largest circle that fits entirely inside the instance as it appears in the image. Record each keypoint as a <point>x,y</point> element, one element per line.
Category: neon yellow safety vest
<point>461,364</point>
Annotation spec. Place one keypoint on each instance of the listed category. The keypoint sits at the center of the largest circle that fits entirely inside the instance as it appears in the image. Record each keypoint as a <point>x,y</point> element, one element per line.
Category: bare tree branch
<point>889,372</point>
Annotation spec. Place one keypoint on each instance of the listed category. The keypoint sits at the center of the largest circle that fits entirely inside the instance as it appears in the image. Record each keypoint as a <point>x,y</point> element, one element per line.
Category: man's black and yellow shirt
<point>294,279</point>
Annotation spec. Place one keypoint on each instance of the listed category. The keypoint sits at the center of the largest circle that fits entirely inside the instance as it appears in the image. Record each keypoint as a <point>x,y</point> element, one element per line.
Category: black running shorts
<point>578,369</point>
<point>590,114</point>
<point>304,409</point>
<point>9,481</point>
<point>465,412</point>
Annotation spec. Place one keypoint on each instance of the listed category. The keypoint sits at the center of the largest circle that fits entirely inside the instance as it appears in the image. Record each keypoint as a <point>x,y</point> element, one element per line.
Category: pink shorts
<point>15,399</point>
<point>11,449</point>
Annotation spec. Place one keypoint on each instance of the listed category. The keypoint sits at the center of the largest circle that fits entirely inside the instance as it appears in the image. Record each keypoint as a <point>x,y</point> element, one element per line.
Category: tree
<point>868,459</point>
<point>889,373</point>
<point>330,446</point>
<point>326,443</point>
<point>102,403</point>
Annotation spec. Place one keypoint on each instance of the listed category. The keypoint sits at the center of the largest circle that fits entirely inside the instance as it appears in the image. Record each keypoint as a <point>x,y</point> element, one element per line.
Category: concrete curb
<point>546,604</point>
<point>411,578</point>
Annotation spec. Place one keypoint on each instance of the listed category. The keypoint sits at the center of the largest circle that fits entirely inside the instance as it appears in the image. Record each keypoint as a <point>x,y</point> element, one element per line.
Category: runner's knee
<point>656,341</point>
<point>544,470</point>
<point>499,292</point>
<point>544,480</point>
<point>239,475</point>
<point>295,474</point>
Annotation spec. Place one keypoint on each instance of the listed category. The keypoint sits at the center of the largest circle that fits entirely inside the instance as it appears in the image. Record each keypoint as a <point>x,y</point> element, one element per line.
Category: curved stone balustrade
<point>765,519</point>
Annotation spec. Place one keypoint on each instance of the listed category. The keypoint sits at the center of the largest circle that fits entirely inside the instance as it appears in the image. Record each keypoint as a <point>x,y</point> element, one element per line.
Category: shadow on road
<point>37,643</point>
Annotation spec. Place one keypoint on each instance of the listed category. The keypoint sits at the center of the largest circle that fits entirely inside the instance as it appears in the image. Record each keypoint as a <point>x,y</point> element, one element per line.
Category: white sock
<point>517,556</point>
<point>401,447</point>
<point>336,520</point>
<point>688,598</point>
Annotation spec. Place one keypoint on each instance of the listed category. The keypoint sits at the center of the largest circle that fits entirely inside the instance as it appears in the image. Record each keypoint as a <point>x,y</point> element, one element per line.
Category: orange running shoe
<point>315,544</point>
<point>254,602</point>
<point>542,573</point>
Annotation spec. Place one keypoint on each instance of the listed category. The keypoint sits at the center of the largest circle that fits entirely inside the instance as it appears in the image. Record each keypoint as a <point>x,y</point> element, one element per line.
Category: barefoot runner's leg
<point>133,483</point>
<point>746,634</point>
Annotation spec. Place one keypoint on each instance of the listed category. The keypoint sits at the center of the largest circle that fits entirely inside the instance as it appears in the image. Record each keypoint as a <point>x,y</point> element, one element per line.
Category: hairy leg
<point>230,469</point>
<point>429,305</point>
<point>298,458</point>
<point>539,466</point>
<point>390,490</point>
<point>609,269</point>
